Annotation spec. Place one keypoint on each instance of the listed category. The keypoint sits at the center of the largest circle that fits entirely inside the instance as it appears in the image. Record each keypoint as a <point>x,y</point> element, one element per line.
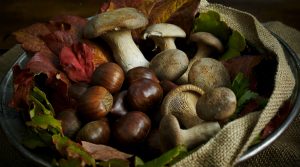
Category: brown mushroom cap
<point>169,64</point>
<point>123,18</point>
<point>216,105</point>
<point>164,30</point>
<point>208,73</point>
<point>207,39</point>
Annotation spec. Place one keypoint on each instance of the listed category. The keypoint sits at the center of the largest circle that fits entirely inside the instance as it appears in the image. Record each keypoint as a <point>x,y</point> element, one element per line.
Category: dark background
<point>15,14</point>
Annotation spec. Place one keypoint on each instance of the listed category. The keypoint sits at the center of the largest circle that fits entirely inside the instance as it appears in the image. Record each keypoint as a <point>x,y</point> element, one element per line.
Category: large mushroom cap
<point>164,30</point>
<point>207,39</point>
<point>123,18</point>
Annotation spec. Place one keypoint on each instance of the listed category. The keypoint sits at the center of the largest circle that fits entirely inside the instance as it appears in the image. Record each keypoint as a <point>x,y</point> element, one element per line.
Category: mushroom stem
<point>199,133</point>
<point>164,43</point>
<point>172,135</point>
<point>125,51</point>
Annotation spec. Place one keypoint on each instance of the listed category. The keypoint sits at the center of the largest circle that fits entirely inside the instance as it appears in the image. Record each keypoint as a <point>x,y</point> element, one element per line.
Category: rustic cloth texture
<point>234,139</point>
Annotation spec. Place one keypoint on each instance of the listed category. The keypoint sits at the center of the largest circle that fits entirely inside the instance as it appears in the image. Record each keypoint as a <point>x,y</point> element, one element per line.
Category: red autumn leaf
<point>243,64</point>
<point>77,62</point>
<point>23,82</point>
<point>43,62</point>
<point>29,37</point>
<point>103,152</point>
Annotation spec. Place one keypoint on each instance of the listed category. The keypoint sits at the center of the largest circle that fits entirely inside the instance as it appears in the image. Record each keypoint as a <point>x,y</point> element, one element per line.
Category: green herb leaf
<point>40,102</point>
<point>45,122</point>
<point>34,140</point>
<point>72,150</point>
<point>69,163</point>
<point>210,22</point>
<point>113,163</point>
<point>236,44</point>
<point>166,158</point>
<point>240,86</point>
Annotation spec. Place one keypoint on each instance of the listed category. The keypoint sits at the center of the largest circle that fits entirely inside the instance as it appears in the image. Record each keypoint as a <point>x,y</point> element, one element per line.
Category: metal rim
<point>294,62</point>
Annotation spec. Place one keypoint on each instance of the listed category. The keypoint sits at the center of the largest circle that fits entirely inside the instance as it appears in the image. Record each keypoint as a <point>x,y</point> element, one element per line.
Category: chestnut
<point>109,75</point>
<point>95,103</point>
<point>69,122</point>
<point>144,94</point>
<point>97,132</point>
<point>132,128</point>
<point>167,86</point>
<point>137,73</point>
<point>77,89</point>
<point>119,107</point>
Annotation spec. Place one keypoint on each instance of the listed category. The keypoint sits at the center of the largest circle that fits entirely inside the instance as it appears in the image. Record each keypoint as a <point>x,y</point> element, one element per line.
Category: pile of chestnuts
<point>117,108</point>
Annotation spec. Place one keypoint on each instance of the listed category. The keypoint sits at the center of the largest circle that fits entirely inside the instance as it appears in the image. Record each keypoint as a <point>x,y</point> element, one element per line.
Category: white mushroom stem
<point>198,134</point>
<point>203,51</point>
<point>125,51</point>
<point>172,135</point>
<point>164,43</point>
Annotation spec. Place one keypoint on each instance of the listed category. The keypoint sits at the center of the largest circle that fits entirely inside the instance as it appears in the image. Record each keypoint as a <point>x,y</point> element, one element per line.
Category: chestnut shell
<point>137,73</point>
<point>97,132</point>
<point>132,128</point>
<point>69,121</point>
<point>109,75</point>
<point>144,94</point>
<point>95,103</point>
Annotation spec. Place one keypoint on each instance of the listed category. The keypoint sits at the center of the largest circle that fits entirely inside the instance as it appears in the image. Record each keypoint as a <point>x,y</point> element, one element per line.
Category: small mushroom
<point>172,135</point>
<point>169,64</point>
<point>207,43</point>
<point>114,27</point>
<point>163,35</point>
<point>181,102</point>
<point>216,105</point>
<point>208,73</point>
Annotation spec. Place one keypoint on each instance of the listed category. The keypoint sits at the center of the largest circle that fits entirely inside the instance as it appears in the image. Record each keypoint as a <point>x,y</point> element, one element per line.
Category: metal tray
<point>14,128</point>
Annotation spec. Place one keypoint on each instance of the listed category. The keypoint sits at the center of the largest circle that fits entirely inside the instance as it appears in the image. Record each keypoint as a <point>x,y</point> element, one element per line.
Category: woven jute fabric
<point>236,137</point>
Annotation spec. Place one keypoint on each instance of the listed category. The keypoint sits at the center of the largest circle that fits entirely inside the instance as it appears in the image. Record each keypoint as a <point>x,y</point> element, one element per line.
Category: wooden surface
<point>15,14</point>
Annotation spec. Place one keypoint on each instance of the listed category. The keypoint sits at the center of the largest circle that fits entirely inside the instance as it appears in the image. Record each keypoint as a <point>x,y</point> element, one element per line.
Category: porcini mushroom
<point>208,73</point>
<point>181,102</point>
<point>163,35</point>
<point>207,43</point>
<point>169,64</point>
<point>216,105</point>
<point>172,135</point>
<point>114,27</point>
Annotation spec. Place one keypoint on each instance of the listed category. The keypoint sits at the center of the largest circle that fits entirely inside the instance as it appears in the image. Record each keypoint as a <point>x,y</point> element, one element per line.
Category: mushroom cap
<point>181,102</point>
<point>164,30</point>
<point>169,64</point>
<point>207,39</point>
<point>208,73</point>
<point>169,132</point>
<point>216,105</point>
<point>123,18</point>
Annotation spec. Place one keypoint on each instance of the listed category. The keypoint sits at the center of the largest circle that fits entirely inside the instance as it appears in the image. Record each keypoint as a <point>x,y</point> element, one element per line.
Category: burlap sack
<point>235,138</point>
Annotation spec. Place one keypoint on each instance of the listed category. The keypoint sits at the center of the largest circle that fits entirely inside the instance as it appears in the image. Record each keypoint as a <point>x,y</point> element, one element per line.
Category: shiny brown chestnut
<point>109,75</point>
<point>137,73</point>
<point>97,132</point>
<point>132,128</point>
<point>95,103</point>
<point>69,121</point>
<point>119,107</point>
<point>144,94</point>
<point>167,86</point>
<point>77,89</point>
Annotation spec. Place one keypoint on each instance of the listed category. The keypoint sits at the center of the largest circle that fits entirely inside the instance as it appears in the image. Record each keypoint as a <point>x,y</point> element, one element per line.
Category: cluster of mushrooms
<point>183,100</point>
